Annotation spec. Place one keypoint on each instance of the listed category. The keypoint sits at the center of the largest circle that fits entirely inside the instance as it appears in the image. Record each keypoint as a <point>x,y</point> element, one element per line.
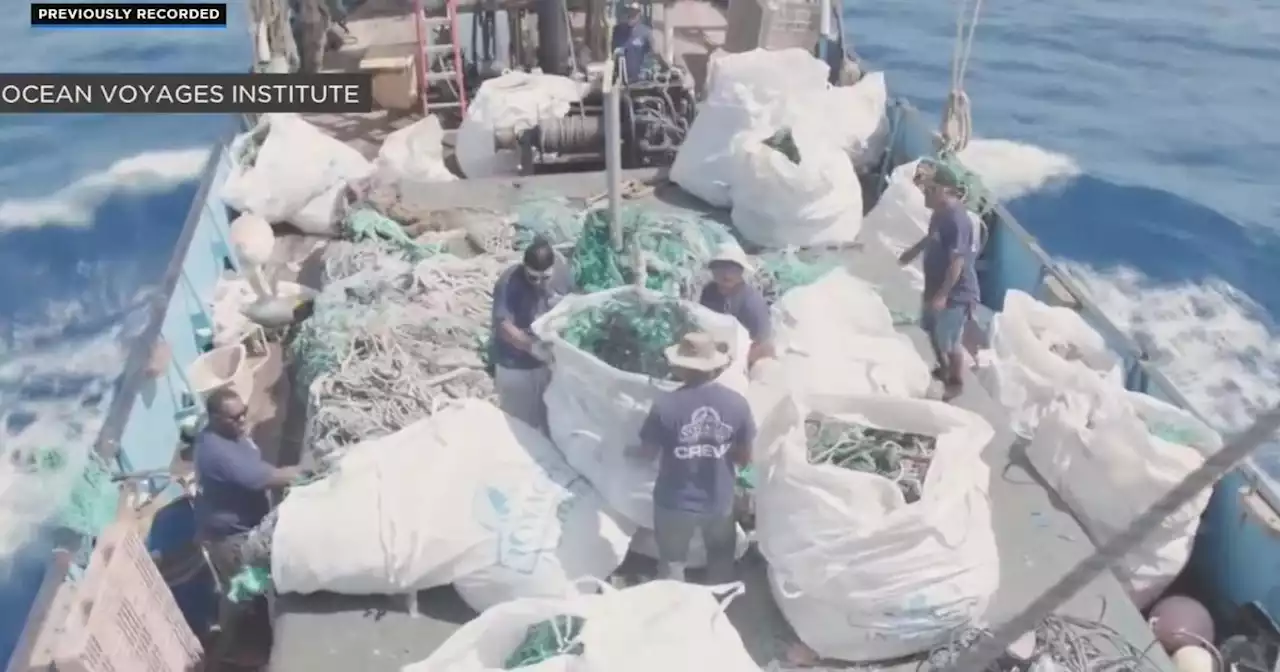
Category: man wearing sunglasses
<point>522,294</point>
<point>233,480</point>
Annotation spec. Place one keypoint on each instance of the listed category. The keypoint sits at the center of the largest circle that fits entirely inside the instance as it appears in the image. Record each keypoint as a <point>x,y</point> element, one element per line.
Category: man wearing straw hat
<point>729,293</point>
<point>699,433</point>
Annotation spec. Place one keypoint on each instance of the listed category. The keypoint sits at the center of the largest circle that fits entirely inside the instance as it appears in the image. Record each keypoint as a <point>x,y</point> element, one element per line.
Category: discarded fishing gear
<point>902,457</point>
<point>674,250</point>
<point>557,636</point>
<point>390,344</point>
<point>1062,643</point>
<point>631,334</point>
<point>779,272</point>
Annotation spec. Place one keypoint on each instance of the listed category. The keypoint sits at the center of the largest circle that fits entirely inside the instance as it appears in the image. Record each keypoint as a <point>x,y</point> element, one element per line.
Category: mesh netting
<point>902,457</point>
<point>557,636</point>
<point>777,273</point>
<point>675,248</point>
<point>630,334</point>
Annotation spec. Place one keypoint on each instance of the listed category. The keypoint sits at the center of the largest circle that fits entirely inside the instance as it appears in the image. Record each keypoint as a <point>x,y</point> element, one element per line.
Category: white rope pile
<point>391,342</point>
<point>957,115</point>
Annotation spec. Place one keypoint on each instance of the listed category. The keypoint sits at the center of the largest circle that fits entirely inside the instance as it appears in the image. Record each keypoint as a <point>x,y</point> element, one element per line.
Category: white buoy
<point>1193,659</point>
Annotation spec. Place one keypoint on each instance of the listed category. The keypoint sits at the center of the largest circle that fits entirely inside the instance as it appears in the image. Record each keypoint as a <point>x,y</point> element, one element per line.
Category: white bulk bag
<point>850,117</point>
<point>660,625</point>
<point>1037,352</point>
<point>860,574</point>
<point>779,203</point>
<point>468,496</point>
<point>836,336</point>
<point>296,175</point>
<point>745,90</point>
<point>513,102</point>
<point>595,411</point>
<point>1111,461</point>
<point>415,153</point>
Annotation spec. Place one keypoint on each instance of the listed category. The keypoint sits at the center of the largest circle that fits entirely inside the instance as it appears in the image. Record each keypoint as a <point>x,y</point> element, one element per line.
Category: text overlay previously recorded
<point>185,93</point>
<point>111,15</point>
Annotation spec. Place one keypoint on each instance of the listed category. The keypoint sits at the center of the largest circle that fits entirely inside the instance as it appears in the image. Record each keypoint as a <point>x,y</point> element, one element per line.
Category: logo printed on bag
<point>527,515</point>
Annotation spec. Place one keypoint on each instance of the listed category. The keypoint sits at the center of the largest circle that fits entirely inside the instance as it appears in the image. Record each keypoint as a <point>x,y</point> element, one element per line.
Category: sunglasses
<point>236,417</point>
<point>538,276</point>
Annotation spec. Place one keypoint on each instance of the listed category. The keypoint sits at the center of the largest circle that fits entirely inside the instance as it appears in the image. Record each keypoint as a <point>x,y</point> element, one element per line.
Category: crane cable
<point>957,115</point>
<point>991,649</point>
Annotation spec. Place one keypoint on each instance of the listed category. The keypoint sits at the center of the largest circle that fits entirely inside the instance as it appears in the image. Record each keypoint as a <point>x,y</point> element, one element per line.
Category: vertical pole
<point>824,29</point>
<point>668,33</point>
<point>613,155</point>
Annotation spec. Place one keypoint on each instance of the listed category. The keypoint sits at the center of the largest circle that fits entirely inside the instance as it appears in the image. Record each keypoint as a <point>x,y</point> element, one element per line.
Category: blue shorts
<point>946,327</point>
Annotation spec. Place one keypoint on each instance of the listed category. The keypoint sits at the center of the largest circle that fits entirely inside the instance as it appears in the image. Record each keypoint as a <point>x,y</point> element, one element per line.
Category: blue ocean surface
<point>1135,139</point>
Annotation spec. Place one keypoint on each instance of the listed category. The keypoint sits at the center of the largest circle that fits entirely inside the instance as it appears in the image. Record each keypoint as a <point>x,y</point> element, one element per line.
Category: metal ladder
<point>425,28</point>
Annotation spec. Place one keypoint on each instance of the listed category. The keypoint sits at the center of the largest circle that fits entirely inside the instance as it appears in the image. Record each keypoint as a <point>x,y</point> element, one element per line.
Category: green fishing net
<point>781,271</point>
<point>94,498</point>
<point>976,196</point>
<point>902,457</point>
<point>557,636</point>
<point>630,334</point>
<point>248,584</point>
<point>549,216</point>
<point>675,248</point>
<point>364,224</point>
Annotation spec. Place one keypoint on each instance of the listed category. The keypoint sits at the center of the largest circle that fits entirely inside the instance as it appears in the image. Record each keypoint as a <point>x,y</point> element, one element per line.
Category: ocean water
<point>1132,138</point>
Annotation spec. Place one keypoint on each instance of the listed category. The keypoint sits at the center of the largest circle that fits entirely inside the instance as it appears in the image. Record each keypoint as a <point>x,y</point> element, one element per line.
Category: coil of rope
<point>1062,643</point>
<point>957,115</point>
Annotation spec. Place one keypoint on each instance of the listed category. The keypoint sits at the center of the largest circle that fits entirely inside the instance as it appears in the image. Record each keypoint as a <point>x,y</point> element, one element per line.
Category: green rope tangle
<point>631,334</point>
<point>779,272</point>
<point>675,249</point>
<point>543,641</point>
<point>901,457</point>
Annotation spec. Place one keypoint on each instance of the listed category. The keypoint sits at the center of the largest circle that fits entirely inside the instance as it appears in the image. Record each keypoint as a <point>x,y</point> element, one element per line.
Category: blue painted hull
<point>1237,554</point>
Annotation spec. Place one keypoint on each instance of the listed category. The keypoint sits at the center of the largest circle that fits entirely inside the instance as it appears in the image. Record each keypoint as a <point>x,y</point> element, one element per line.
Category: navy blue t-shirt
<point>950,234</point>
<point>696,429</point>
<point>515,298</point>
<point>745,303</point>
<point>233,480</point>
<point>636,43</point>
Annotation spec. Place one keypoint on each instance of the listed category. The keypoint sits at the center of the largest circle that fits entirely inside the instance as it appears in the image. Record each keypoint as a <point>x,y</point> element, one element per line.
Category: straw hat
<point>698,352</point>
<point>731,253</point>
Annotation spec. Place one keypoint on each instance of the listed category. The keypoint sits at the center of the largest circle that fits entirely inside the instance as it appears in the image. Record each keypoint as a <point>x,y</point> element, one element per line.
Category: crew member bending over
<point>233,480</point>
<point>729,294</point>
<point>699,433</point>
<point>950,281</point>
<point>524,293</point>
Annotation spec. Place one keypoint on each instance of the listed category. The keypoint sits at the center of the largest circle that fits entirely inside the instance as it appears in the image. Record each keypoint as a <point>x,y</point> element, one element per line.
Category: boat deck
<point>384,28</point>
<point>1038,539</point>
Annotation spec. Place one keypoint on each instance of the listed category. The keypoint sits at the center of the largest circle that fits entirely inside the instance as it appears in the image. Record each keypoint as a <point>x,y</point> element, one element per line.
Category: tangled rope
<point>901,457</point>
<point>389,344</point>
<point>974,193</point>
<point>631,334</point>
<point>1064,643</point>
<point>557,636</point>
<point>779,272</point>
<point>675,249</point>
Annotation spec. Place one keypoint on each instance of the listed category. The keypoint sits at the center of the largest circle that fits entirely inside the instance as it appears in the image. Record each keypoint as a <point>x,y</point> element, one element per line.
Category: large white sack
<point>751,89</point>
<point>660,625</point>
<point>595,411</point>
<point>296,175</point>
<point>836,336</point>
<point>513,102</point>
<point>859,573</point>
<point>780,203</point>
<point>850,117</point>
<point>1112,460</point>
<point>415,153</point>
<point>1039,352</point>
<point>468,496</point>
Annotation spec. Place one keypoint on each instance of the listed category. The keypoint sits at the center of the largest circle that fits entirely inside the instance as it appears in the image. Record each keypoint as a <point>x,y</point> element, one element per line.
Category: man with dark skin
<point>699,433</point>
<point>950,280</point>
<point>632,42</point>
<point>233,480</point>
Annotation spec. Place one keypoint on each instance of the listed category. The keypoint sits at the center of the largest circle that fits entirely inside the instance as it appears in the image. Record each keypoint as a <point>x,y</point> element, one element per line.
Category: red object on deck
<point>426,47</point>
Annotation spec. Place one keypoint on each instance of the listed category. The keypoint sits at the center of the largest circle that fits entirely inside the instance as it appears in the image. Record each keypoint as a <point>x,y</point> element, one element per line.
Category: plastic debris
<point>901,457</point>
<point>557,636</point>
<point>631,335</point>
<point>674,247</point>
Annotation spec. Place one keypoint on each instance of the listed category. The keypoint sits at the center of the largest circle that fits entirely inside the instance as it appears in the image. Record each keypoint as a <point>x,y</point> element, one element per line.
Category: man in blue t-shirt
<point>729,294</point>
<point>231,499</point>
<point>950,280</point>
<point>522,294</point>
<point>699,433</point>
<point>632,42</point>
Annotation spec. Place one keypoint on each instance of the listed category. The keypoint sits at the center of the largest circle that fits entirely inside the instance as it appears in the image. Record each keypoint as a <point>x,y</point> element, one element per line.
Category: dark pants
<point>674,530</point>
<point>245,627</point>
